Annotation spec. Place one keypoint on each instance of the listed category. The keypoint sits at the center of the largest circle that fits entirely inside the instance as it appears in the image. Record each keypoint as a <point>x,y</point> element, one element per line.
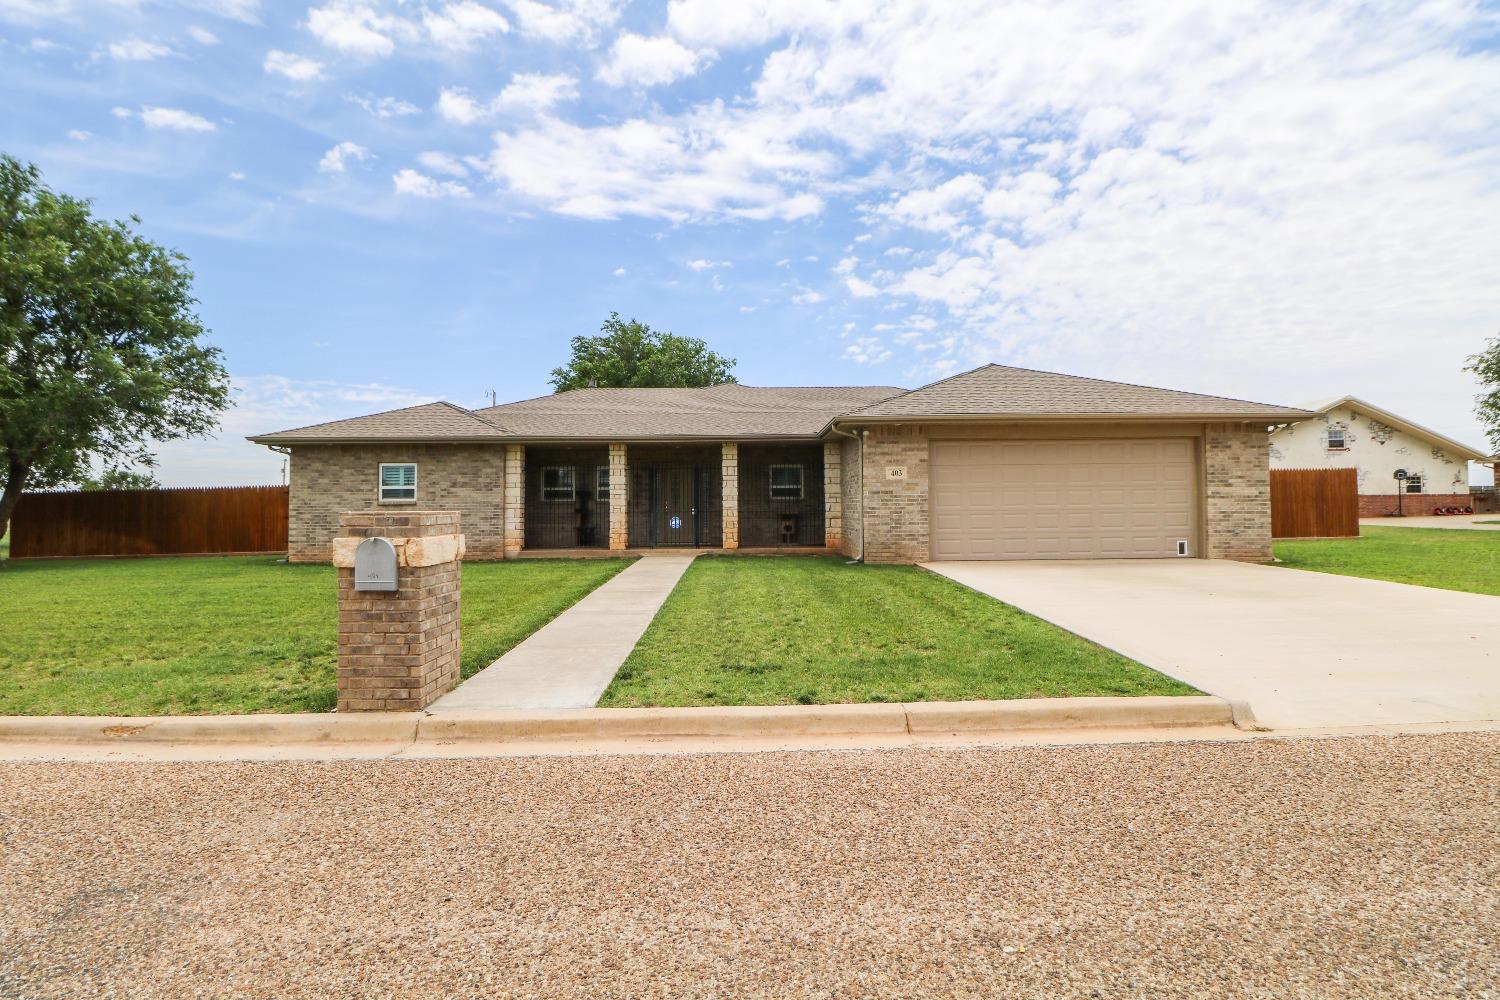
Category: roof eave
<point>1269,417</point>
<point>272,439</point>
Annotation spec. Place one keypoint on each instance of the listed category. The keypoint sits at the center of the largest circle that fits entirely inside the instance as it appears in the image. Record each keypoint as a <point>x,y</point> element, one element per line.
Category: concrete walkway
<point>570,661</point>
<point>1305,649</point>
<point>1460,522</point>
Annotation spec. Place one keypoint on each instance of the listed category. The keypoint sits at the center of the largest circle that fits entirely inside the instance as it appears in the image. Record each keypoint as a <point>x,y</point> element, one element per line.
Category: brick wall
<point>1237,487</point>
<point>851,486</point>
<point>399,649</point>
<point>1384,504</point>
<point>327,479</point>
<point>833,495</point>
<point>895,510</point>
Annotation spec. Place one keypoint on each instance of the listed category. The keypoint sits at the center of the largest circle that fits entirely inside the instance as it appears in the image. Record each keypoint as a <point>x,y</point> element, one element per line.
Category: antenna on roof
<point>494,400</point>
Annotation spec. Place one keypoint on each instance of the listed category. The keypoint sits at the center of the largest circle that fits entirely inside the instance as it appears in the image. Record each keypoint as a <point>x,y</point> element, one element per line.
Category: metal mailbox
<point>375,565</point>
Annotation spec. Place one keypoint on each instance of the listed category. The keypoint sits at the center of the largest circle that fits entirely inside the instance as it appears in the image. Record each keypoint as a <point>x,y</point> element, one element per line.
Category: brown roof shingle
<point>425,422</point>
<point>1021,393</point>
<point>720,411</point>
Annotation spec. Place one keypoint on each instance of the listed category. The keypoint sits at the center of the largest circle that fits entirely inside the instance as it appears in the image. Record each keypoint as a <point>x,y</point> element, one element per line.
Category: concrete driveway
<point>1304,649</point>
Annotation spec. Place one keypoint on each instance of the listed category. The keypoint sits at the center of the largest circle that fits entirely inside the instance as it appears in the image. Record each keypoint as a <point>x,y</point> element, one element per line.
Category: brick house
<point>1349,433</point>
<point>995,463</point>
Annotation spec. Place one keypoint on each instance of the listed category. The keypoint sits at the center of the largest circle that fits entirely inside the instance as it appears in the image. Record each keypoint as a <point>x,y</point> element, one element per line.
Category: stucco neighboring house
<point>1348,432</point>
<point>994,463</point>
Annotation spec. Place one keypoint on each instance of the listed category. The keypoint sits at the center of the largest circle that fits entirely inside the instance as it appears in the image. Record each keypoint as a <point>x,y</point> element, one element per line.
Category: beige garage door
<point>1120,499</point>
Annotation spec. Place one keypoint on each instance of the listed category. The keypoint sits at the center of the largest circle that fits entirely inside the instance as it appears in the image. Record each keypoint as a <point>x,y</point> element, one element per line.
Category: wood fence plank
<point>150,522</point>
<point>1314,503</point>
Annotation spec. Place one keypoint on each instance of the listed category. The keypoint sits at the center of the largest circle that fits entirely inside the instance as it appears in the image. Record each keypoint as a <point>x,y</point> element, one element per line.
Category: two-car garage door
<point>1106,499</point>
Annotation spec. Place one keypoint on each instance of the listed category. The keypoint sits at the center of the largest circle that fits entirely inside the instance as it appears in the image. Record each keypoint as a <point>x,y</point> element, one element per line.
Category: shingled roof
<point>717,412</point>
<point>1001,392</point>
<point>426,422</point>
<point>729,412</point>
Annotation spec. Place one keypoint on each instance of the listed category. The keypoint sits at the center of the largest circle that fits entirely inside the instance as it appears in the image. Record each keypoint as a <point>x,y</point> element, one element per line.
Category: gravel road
<point>1309,868</point>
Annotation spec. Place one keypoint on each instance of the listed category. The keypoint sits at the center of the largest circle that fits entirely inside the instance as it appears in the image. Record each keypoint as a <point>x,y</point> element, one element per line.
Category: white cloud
<point>236,175</point>
<point>386,107</point>
<point>526,92</point>
<point>808,297</point>
<point>417,185</point>
<point>867,351</point>
<point>336,159</point>
<point>636,60</point>
<point>618,272</point>
<point>79,135</point>
<point>172,119</point>
<point>291,66</point>
<point>565,20</point>
<point>42,45</point>
<point>357,27</point>
<point>701,264</point>
<point>138,50</point>
<point>443,163</point>
<point>202,35</point>
<point>463,24</point>
<point>696,167</point>
<point>538,91</point>
<point>455,104</point>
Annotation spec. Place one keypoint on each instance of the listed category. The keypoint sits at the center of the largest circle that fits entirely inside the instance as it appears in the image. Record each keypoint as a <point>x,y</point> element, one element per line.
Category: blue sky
<point>387,203</point>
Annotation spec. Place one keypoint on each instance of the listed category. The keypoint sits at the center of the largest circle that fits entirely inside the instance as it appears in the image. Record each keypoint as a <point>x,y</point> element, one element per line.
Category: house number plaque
<point>895,472</point>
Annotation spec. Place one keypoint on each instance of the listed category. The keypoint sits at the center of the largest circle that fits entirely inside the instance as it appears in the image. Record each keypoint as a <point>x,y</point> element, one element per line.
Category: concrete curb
<point>619,723</point>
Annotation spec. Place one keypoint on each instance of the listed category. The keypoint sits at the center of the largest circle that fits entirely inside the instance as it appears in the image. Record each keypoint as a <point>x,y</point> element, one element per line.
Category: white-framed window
<point>1336,440</point>
<point>398,482</point>
<point>601,484</point>
<point>558,483</point>
<point>786,482</point>
<point>1413,484</point>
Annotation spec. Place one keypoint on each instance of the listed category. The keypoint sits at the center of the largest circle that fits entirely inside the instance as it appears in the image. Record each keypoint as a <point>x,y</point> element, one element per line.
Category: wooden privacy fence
<point>1314,503</point>
<point>212,519</point>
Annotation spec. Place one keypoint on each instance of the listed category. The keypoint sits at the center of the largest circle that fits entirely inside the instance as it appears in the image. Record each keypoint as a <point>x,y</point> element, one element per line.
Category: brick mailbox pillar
<point>399,649</point>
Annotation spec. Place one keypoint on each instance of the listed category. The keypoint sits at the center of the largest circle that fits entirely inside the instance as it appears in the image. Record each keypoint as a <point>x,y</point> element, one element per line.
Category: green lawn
<point>217,635</point>
<point>815,630</point>
<point>1430,557</point>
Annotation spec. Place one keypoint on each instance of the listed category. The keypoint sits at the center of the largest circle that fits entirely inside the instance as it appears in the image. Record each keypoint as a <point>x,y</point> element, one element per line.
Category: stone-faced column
<point>619,498</point>
<point>1237,490</point>
<point>731,490</point>
<point>514,517</point>
<point>399,649</point>
<point>833,494</point>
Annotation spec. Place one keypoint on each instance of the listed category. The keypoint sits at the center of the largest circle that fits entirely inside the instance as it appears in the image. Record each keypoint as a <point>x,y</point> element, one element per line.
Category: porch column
<point>731,478</point>
<point>833,494</point>
<point>619,498</point>
<point>514,518</point>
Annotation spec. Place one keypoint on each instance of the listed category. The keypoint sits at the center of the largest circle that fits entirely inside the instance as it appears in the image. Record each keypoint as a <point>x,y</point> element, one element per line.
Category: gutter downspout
<point>860,437</point>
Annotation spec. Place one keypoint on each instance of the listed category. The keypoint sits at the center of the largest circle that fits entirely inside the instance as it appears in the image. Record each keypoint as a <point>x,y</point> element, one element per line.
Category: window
<point>601,484</point>
<point>1413,484</point>
<point>557,482</point>
<point>398,482</point>
<point>786,482</point>
<point>1336,439</point>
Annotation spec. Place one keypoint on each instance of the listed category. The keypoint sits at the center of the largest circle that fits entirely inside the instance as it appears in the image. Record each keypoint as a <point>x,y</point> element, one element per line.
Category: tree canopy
<point>101,352</point>
<point>1486,365</point>
<point>631,355</point>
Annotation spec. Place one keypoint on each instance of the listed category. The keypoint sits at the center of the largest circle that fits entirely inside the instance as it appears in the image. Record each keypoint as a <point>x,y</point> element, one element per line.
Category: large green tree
<point>631,355</point>
<point>1486,365</point>
<point>101,353</point>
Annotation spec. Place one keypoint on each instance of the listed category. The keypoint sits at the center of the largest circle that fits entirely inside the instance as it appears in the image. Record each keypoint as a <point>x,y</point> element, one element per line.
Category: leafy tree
<point>101,353</point>
<point>120,479</point>
<point>631,355</point>
<point>1486,365</point>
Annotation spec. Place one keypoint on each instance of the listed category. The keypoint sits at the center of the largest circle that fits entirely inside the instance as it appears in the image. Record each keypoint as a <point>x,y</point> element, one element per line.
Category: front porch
<point>624,498</point>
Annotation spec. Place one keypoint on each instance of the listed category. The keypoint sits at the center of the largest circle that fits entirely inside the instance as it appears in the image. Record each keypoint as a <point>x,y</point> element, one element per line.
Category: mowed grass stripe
<point>220,635</point>
<point>817,630</point>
